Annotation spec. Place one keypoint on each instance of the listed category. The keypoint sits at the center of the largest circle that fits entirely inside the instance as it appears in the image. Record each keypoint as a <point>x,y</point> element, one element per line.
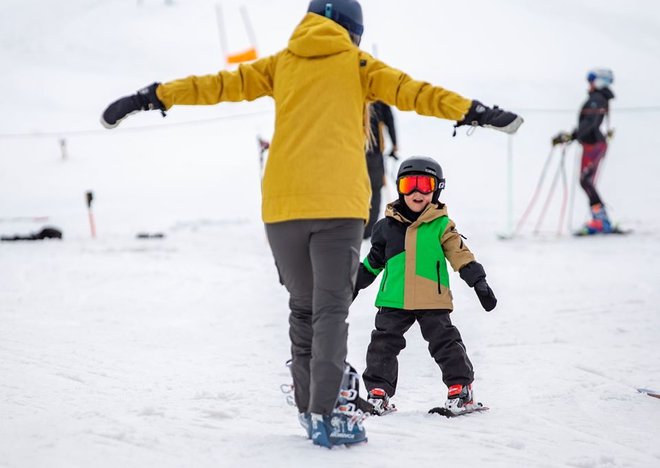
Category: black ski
<point>442,411</point>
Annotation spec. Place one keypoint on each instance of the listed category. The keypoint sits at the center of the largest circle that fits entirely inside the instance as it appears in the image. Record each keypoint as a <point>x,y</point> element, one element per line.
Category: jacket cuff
<point>472,272</point>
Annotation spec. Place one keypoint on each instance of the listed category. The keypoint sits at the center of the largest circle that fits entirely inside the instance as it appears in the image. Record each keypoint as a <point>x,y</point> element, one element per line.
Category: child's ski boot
<point>460,401</point>
<point>459,398</point>
<point>380,401</point>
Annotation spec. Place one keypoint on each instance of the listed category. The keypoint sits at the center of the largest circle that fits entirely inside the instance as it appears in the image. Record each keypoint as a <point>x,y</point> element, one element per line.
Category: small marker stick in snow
<point>92,225</point>
<point>651,393</point>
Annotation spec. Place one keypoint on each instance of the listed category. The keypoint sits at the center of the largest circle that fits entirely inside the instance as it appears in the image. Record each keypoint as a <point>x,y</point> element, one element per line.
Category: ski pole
<point>537,190</point>
<point>562,211</point>
<point>571,203</point>
<point>551,192</point>
<point>92,225</point>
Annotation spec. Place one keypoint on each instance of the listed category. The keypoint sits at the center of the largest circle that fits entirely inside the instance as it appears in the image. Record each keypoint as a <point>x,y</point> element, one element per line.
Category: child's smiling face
<point>417,201</point>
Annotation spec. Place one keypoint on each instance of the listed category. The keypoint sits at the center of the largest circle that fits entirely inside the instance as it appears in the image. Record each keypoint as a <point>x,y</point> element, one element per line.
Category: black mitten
<point>144,99</point>
<point>475,276</point>
<point>495,118</point>
<point>485,295</point>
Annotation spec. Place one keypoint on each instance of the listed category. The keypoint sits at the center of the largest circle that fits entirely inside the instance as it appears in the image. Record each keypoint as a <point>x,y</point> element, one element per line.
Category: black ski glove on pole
<point>144,99</point>
<point>498,119</point>
<point>475,276</point>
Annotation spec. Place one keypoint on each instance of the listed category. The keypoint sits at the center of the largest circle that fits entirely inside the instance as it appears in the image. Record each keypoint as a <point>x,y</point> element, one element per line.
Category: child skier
<point>410,245</point>
<point>594,146</point>
<point>315,191</point>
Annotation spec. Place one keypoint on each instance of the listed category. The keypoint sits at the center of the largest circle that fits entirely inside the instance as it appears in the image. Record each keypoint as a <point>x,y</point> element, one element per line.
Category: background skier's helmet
<point>422,165</point>
<point>600,78</point>
<point>347,13</point>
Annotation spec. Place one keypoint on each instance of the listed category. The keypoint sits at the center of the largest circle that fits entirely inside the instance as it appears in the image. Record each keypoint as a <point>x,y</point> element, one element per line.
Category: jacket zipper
<point>437,268</point>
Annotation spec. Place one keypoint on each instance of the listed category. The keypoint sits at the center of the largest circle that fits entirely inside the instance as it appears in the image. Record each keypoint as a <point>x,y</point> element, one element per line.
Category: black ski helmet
<point>347,13</point>
<point>422,165</point>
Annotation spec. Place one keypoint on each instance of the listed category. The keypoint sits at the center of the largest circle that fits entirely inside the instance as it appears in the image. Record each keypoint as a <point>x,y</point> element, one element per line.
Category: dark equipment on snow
<point>48,232</point>
<point>150,235</point>
<point>144,99</point>
<point>346,13</point>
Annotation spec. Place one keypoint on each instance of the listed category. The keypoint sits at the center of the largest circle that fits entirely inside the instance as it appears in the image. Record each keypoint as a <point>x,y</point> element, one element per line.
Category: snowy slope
<point>120,352</point>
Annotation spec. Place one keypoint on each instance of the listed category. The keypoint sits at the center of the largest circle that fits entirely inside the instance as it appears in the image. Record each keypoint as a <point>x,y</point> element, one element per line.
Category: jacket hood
<point>317,36</point>
<point>605,92</point>
<point>431,212</point>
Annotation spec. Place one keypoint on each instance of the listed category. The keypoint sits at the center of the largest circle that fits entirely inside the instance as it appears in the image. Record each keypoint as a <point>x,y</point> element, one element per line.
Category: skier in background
<point>380,116</point>
<point>415,287</point>
<point>315,193</point>
<point>594,145</point>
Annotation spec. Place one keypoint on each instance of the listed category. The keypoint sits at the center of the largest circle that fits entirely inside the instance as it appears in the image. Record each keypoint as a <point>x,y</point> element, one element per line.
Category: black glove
<point>562,137</point>
<point>144,99</point>
<point>475,276</point>
<point>393,154</point>
<point>485,295</point>
<point>495,118</point>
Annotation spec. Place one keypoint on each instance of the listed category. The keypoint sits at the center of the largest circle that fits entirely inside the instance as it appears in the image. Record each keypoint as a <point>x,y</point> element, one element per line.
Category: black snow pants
<point>387,341</point>
<point>317,261</point>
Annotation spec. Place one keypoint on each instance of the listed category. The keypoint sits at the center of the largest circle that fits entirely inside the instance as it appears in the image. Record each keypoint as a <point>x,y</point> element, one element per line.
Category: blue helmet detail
<point>600,77</point>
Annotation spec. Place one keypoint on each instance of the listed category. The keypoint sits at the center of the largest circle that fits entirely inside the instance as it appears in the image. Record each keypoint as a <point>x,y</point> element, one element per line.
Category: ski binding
<point>442,411</point>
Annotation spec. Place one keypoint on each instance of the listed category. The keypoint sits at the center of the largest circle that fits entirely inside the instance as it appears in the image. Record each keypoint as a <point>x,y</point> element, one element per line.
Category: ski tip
<point>649,392</point>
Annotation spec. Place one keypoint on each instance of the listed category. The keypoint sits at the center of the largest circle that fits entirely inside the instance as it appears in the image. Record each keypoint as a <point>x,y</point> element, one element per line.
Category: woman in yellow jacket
<point>316,188</point>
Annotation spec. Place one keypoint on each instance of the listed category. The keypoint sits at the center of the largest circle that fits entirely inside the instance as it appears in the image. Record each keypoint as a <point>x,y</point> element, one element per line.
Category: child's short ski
<point>442,411</point>
<point>651,393</point>
<point>383,412</point>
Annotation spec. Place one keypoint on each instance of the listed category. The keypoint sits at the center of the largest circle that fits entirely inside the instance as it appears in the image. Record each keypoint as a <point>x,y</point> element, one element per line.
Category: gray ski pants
<point>317,261</point>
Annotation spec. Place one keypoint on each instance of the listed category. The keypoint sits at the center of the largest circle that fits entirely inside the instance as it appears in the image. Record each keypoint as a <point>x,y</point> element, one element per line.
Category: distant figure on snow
<point>594,145</point>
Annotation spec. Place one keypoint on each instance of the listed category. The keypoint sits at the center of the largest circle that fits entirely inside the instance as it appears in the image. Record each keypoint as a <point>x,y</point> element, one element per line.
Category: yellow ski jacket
<point>321,83</point>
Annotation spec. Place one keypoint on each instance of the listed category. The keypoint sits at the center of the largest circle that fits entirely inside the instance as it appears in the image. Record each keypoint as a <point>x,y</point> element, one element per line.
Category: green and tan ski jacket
<point>413,258</point>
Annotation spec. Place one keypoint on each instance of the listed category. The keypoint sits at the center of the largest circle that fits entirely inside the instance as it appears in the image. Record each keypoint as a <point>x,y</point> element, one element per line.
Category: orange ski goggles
<point>423,184</point>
